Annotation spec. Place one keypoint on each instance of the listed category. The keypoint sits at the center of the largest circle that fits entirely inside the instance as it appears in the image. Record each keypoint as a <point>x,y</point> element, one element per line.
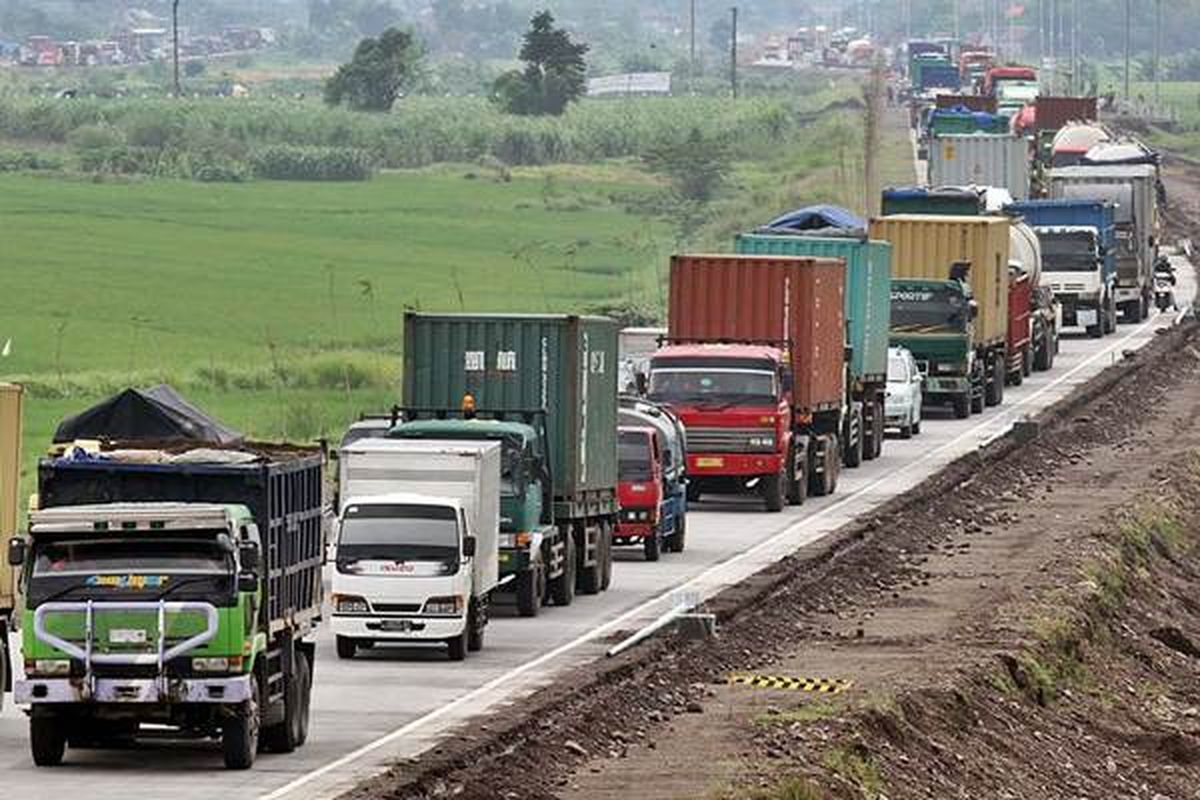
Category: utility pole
<point>733,75</point>
<point>957,23</point>
<point>692,47</point>
<point>1076,83</point>
<point>1128,43</point>
<point>1157,51</point>
<point>175,44</point>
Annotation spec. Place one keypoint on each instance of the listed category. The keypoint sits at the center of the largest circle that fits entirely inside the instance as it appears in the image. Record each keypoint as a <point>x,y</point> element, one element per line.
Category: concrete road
<point>395,703</point>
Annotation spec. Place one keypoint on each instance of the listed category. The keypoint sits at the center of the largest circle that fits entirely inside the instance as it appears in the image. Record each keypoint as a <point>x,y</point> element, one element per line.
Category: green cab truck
<point>954,321</point>
<point>545,387</point>
<point>175,588</point>
<point>867,312</point>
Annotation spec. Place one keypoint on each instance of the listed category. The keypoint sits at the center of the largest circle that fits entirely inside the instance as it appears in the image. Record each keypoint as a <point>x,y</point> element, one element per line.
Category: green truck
<point>179,590</point>
<point>545,387</point>
<point>867,311</point>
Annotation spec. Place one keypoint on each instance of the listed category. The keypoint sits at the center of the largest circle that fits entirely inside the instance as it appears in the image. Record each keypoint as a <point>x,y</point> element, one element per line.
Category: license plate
<point>127,636</point>
<point>396,626</point>
<point>1086,317</point>
<point>710,462</point>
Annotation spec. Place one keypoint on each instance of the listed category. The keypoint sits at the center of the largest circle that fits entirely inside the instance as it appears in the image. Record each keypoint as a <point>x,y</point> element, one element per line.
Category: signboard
<point>630,83</point>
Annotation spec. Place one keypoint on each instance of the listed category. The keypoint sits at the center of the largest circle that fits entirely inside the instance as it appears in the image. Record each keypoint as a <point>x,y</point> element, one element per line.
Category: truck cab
<point>933,320</point>
<point>735,403</point>
<point>404,573</point>
<point>1074,266</point>
<point>140,613</point>
<point>640,490</point>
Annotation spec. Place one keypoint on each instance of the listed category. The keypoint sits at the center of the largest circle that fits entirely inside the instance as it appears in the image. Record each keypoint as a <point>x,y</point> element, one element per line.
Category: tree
<point>554,73</point>
<point>379,71</point>
<point>696,166</point>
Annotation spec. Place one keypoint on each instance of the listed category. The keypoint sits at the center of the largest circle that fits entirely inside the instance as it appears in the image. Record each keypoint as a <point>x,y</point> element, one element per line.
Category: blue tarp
<point>818,218</point>
<point>982,119</point>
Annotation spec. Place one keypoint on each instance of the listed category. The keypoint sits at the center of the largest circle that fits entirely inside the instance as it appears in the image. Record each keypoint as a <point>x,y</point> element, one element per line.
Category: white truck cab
<point>418,544</point>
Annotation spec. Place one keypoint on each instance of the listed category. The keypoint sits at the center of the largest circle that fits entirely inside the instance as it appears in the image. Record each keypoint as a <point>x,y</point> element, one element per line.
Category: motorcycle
<point>1164,291</point>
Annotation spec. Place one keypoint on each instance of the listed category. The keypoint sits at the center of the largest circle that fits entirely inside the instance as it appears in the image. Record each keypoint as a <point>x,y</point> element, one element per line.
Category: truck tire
<point>906,431</point>
<point>853,456</point>
<point>47,739</point>
<point>994,391</point>
<point>562,588</point>
<point>977,403</point>
<point>1043,356</point>
<point>833,468</point>
<point>873,433</point>
<point>797,490</point>
<point>591,579</point>
<point>293,730</point>
<point>1026,362</point>
<point>693,491</point>
<point>529,591</point>
<point>1095,331</point>
<point>773,491</point>
<point>679,538</point>
<point>1109,318</point>
<point>962,406</point>
<point>475,629</point>
<point>346,647</point>
<point>239,734</point>
<point>606,581</point>
<point>651,547</point>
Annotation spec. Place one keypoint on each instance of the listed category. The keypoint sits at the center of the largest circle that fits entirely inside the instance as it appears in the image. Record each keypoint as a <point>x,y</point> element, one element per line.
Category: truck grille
<point>396,608</point>
<point>726,440</point>
<point>1062,288</point>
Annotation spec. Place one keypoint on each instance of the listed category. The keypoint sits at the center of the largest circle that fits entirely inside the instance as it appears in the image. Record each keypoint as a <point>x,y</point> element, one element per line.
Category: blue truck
<point>1079,257</point>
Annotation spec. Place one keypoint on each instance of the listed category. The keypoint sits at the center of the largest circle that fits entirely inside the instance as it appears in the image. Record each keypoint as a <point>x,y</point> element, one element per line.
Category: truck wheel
<point>962,406</point>
<point>651,546</point>
<point>1095,331</point>
<point>1026,362</point>
<point>994,391</point>
<point>47,739</point>
<point>239,734</point>
<point>591,578</point>
<point>474,629</point>
<point>854,440</point>
<point>346,647</point>
<point>606,581</point>
<point>977,403</point>
<point>1042,356</point>
<point>774,490</point>
<point>916,426</point>
<point>797,484</point>
<point>529,591</point>
<point>906,431</point>
<point>291,732</point>
<point>562,588</point>
<point>457,646</point>
<point>679,538</point>
<point>693,491</point>
<point>1110,316</point>
<point>833,468</point>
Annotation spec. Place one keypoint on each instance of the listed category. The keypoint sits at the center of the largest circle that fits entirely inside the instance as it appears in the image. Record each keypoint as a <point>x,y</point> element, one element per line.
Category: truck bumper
<point>633,532</point>
<point>943,386</point>
<point>514,560</point>
<point>706,465</point>
<point>133,690</point>
<point>399,629</point>
<point>1126,294</point>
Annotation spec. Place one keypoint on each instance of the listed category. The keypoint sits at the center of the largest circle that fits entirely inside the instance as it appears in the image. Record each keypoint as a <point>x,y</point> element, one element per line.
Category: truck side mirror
<point>16,551</point>
<point>250,557</point>
<point>639,378</point>
<point>247,582</point>
<point>469,545</point>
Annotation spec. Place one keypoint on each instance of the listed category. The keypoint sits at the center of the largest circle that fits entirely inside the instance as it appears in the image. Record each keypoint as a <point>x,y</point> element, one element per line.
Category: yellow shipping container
<point>10,481</point>
<point>924,247</point>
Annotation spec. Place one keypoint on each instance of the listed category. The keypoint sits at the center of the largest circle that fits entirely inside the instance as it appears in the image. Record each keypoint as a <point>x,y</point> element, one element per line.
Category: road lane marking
<point>709,572</point>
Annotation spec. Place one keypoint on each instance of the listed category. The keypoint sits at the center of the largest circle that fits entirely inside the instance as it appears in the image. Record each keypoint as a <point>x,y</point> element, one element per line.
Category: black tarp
<point>156,414</point>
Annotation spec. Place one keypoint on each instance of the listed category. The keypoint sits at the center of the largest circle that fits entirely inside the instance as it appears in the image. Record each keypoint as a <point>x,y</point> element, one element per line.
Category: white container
<point>981,160</point>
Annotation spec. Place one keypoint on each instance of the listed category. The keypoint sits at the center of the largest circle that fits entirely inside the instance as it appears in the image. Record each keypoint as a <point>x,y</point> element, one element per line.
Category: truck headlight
<point>350,604</point>
<point>444,606</point>
<point>219,664</point>
<point>762,442</point>
<point>49,667</point>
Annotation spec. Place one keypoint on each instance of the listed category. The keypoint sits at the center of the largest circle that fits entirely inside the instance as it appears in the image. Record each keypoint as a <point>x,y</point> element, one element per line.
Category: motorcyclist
<point>1164,280</point>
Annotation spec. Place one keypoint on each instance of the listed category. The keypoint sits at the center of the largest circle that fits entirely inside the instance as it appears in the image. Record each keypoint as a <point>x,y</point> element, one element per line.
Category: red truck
<point>639,489</point>
<point>755,366</point>
<point>1020,327</point>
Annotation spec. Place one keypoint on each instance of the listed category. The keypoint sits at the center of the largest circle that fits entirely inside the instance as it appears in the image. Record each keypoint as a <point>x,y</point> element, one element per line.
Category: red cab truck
<point>755,365</point>
<point>639,489</point>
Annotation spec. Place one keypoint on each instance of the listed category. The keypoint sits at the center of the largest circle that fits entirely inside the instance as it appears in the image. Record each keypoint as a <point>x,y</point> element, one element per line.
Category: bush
<point>27,160</point>
<point>95,137</point>
<point>312,164</point>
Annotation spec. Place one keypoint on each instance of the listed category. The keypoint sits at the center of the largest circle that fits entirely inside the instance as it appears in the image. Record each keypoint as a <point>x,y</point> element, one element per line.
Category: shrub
<point>28,160</point>
<point>312,164</point>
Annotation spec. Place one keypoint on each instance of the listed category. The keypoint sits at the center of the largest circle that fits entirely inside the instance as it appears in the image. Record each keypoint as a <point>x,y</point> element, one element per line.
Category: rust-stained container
<point>925,247</point>
<point>10,482</point>
<point>791,302</point>
<point>975,102</point>
<point>1053,113</point>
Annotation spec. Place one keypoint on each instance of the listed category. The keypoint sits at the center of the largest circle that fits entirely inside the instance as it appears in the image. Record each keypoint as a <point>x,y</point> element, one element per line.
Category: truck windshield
<point>633,456</point>
<point>400,532</point>
<point>930,309</point>
<point>1068,252</point>
<point>715,383</point>
<point>135,568</point>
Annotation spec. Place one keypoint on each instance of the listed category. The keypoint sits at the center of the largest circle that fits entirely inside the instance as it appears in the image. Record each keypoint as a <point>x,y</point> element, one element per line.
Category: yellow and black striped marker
<point>816,685</point>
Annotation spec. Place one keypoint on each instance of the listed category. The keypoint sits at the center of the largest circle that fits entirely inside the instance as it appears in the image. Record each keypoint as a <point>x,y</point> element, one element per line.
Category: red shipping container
<point>793,303</point>
<point>1053,113</point>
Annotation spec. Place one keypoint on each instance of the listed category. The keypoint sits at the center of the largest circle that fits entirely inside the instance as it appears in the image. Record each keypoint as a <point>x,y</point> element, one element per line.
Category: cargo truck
<point>418,551</point>
<point>950,303</point>
<point>177,589</point>
<point>651,442</point>
<point>980,160</point>
<point>867,313</point>
<point>545,387</point>
<point>1078,240</point>
<point>756,368</point>
<point>1133,190</point>
<point>10,481</point>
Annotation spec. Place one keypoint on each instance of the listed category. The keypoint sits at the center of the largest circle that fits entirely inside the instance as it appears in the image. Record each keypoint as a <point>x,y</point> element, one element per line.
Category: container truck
<point>651,442</point>
<point>545,387</point>
<point>1133,190</point>
<point>172,588</point>
<point>10,481</point>
<point>418,550</point>
<point>756,369</point>
<point>1078,240</point>
<point>981,160</point>
<point>950,303</point>
<point>867,313</point>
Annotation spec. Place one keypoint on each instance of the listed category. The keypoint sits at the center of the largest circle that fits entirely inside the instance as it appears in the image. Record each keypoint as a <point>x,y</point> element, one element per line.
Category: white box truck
<point>418,552</point>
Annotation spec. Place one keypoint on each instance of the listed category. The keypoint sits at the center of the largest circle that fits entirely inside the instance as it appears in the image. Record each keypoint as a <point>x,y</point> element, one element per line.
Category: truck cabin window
<point>137,568</point>
<point>633,457</point>
<point>1069,252</point>
<point>399,533</point>
<point>933,309</point>
<point>714,382</point>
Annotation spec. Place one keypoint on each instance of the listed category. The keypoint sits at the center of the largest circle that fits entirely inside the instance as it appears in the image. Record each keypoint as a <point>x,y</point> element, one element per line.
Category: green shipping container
<point>868,290</point>
<point>563,365</point>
